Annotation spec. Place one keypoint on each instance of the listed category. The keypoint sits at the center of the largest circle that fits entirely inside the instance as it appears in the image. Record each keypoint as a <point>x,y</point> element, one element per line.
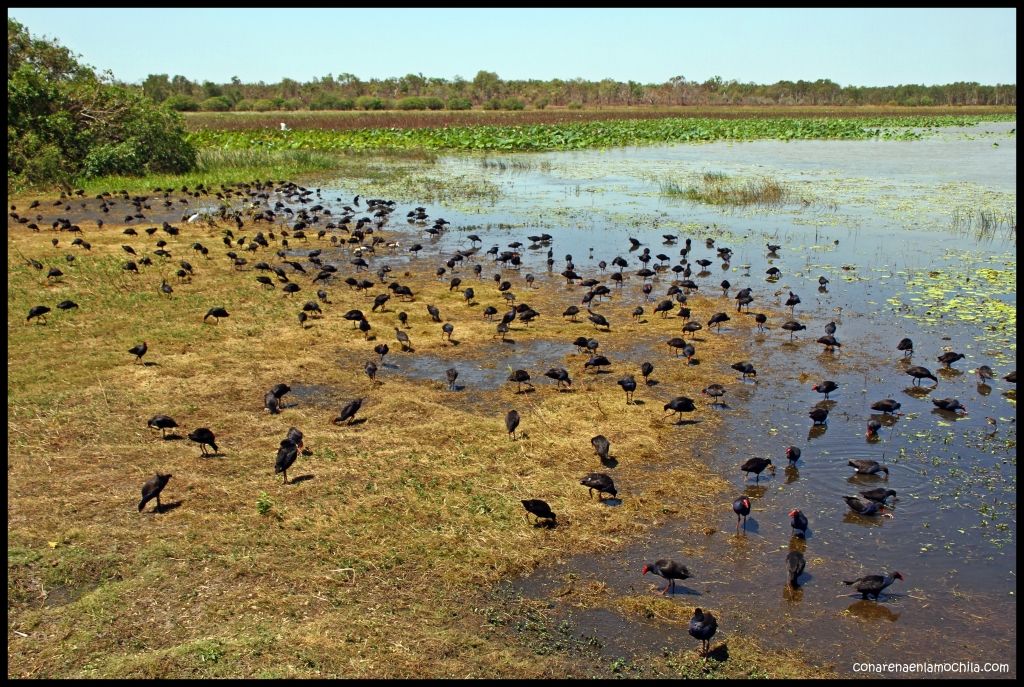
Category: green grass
<point>715,188</point>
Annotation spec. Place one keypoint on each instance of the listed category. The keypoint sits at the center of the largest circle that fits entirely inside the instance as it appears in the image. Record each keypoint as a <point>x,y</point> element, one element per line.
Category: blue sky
<point>862,47</point>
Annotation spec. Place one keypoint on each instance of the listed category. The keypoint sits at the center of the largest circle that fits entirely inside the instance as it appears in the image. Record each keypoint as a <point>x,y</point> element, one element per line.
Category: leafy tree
<point>65,122</point>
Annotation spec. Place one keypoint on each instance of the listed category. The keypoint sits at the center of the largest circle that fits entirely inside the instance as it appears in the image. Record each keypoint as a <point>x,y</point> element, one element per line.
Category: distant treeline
<point>488,91</point>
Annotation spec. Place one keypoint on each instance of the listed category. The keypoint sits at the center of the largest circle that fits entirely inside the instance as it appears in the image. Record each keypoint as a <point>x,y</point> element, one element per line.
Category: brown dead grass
<point>405,518</point>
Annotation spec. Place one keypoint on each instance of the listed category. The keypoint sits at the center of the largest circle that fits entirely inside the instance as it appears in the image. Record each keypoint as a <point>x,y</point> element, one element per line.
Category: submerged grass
<point>403,520</point>
<point>715,188</point>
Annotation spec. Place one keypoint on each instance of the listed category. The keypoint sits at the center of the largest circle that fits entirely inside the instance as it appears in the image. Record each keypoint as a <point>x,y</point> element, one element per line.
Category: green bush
<point>263,105</point>
<point>492,104</point>
<point>459,104</point>
<point>540,103</point>
<point>217,103</point>
<point>292,104</point>
<point>512,104</point>
<point>244,105</point>
<point>412,103</point>
<point>434,103</point>
<point>181,103</point>
<point>575,105</point>
<point>368,102</point>
<point>63,122</point>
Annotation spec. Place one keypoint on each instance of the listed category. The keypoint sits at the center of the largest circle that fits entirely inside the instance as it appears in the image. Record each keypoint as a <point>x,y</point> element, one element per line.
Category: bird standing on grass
<point>348,411</point>
<point>511,422</point>
<point>151,490</point>
<point>286,455</point>
<point>601,482</point>
<point>703,626</point>
<point>538,508</point>
<point>204,437</point>
<point>139,350</point>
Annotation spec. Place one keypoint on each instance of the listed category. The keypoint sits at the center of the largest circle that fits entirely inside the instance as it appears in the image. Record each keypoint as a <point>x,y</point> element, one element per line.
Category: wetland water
<point>896,228</point>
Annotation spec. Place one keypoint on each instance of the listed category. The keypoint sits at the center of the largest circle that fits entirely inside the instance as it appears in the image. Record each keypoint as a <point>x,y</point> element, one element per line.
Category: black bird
<point>746,368</point>
<point>793,454</point>
<point>628,385</point>
<point>761,319</point>
<point>819,416</point>
<point>520,377</point>
<point>798,521</point>
<point>919,373</point>
<point>887,405</point>
<point>447,328</point>
<point>511,422</point>
<point>1011,377</point>
<point>139,350</point>
<point>949,357</point>
<point>717,319</point>
<point>163,423</point>
<point>741,507</point>
<point>984,372</point>
<point>676,342</point>
<point>37,311</point>
<point>868,467</point>
<point>601,446</point>
<point>152,488</point>
<point>872,585</point>
<point>348,411</point>
<point>757,466</point>
<point>826,387</point>
<point>703,627</point>
<point>792,301</point>
<point>435,314</point>
<point>68,305</point>
<point>286,455</point>
<point>598,320</point>
<point>295,434</point>
<point>830,342</point>
<point>601,482</point>
<point>715,391</point>
<point>571,312</point>
<point>451,374</point>
<point>680,404</point>
<point>271,403</point>
<point>370,368</point>
<point>864,507</point>
<point>539,508</point>
<point>669,570</point>
<point>795,565</point>
<point>279,390</point>
<point>907,346</point>
<point>381,349</point>
<point>204,437</point>
<point>879,495</point>
<point>403,339</point>
<point>216,313</point>
<point>950,404</point>
<point>560,375</point>
<point>793,327</point>
<point>645,370</point>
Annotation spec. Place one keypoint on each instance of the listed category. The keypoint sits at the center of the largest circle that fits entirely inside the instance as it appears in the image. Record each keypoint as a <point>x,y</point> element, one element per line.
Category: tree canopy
<point>65,122</point>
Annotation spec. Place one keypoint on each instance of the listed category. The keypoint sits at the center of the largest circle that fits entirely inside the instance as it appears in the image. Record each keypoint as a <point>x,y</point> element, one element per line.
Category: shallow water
<point>880,225</point>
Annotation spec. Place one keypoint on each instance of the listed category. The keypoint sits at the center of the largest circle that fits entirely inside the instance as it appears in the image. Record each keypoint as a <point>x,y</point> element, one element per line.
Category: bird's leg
<point>158,503</point>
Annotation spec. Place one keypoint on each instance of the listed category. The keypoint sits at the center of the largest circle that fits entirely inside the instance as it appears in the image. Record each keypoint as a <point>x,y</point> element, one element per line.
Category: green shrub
<point>244,105</point>
<point>575,105</point>
<point>181,103</point>
<point>412,103</point>
<point>292,104</point>
<point>263,105</point>
<point>434,103</point>
<point>459,104</point>
<point>512,104</point>
<point>369,102</point>
<point>217,103</point>
<point>540,103</point>
<point>492,104</point>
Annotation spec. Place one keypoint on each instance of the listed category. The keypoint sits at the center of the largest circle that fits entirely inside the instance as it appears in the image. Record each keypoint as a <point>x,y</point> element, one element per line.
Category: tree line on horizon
<point>489,91</point>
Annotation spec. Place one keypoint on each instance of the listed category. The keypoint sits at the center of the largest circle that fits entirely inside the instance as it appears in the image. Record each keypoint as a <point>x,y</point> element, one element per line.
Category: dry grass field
<point>383,556</point>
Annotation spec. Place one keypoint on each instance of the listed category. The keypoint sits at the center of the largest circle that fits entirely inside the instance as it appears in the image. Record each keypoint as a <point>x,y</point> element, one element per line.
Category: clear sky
<point>853,47</point>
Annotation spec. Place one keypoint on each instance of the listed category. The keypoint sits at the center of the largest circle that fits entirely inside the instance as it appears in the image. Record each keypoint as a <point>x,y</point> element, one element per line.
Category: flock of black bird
<point>264,211</point>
